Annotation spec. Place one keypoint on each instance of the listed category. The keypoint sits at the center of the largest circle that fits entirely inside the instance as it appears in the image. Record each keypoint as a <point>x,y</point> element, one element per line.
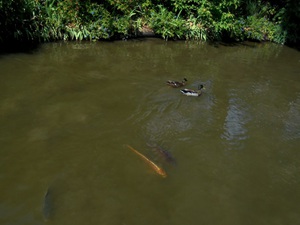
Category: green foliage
<point>166,23</point>
<point>18,20</point>
<point>262,30</point>
<point>195,29</point>
<point>232,20</point>
<point>98,22</point>
<point>73,20</point>
<point>263,23</point>
<point>290,24</point>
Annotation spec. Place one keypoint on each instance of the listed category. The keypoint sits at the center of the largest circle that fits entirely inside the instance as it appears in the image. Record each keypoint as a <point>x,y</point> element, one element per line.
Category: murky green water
<point>67,111</point>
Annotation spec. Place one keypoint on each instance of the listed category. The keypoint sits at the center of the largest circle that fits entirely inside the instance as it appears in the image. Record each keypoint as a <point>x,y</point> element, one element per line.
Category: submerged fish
<point>167,156</point>
<point>156,168</point>
<point>48,205</point>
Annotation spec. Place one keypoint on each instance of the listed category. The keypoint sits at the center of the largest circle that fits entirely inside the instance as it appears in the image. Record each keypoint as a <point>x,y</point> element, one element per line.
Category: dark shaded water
<point>68,110</point>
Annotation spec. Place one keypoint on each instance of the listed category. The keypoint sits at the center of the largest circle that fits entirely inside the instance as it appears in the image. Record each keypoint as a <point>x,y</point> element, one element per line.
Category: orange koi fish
<point>156,168</point>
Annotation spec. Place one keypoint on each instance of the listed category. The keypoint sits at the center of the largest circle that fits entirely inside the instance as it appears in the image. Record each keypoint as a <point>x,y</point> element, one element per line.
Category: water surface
<point>67,110</point>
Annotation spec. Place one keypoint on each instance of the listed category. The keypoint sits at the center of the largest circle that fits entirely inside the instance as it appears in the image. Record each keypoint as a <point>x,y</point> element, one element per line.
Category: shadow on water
<point>16,47</point>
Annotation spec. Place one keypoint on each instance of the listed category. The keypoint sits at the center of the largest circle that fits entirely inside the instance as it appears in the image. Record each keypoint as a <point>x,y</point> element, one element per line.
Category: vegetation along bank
<point>35,21</point>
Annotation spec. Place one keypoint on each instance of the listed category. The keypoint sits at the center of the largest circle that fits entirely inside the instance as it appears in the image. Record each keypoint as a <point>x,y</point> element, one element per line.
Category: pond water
<point>69,110</point>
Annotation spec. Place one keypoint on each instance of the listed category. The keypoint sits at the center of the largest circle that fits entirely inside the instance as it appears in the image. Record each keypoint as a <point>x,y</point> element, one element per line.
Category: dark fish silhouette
<point>166,155</point>
<point>48,204</point>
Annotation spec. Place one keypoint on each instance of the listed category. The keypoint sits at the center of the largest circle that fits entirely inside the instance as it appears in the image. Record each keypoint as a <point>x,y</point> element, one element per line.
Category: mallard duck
<point>176,84</point>
<point>190,92</point>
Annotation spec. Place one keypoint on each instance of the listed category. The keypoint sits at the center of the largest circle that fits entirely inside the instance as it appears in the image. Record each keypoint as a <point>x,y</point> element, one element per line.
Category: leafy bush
<point>166,23</point>
<point>233,20</point>
<point>18,20</point>
<point>263,22</point>
<point>195,29</point>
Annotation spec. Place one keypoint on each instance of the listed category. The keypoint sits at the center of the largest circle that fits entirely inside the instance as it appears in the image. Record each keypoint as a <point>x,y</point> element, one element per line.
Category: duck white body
<point>190,92</point>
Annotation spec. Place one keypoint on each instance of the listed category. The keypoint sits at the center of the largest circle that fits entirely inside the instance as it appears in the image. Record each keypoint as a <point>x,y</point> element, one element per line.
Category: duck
<point>176,84</point>
<point>190,92</point>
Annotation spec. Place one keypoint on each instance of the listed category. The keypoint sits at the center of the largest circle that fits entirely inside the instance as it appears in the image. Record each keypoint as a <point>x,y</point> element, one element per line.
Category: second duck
<point>190,92</point>
<point>176,84</point>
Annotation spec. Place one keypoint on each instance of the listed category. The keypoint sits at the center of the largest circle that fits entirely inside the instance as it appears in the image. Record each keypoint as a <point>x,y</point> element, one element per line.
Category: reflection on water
<point>235,126</point>
<point>292,120</point>
<point>68,109</point>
